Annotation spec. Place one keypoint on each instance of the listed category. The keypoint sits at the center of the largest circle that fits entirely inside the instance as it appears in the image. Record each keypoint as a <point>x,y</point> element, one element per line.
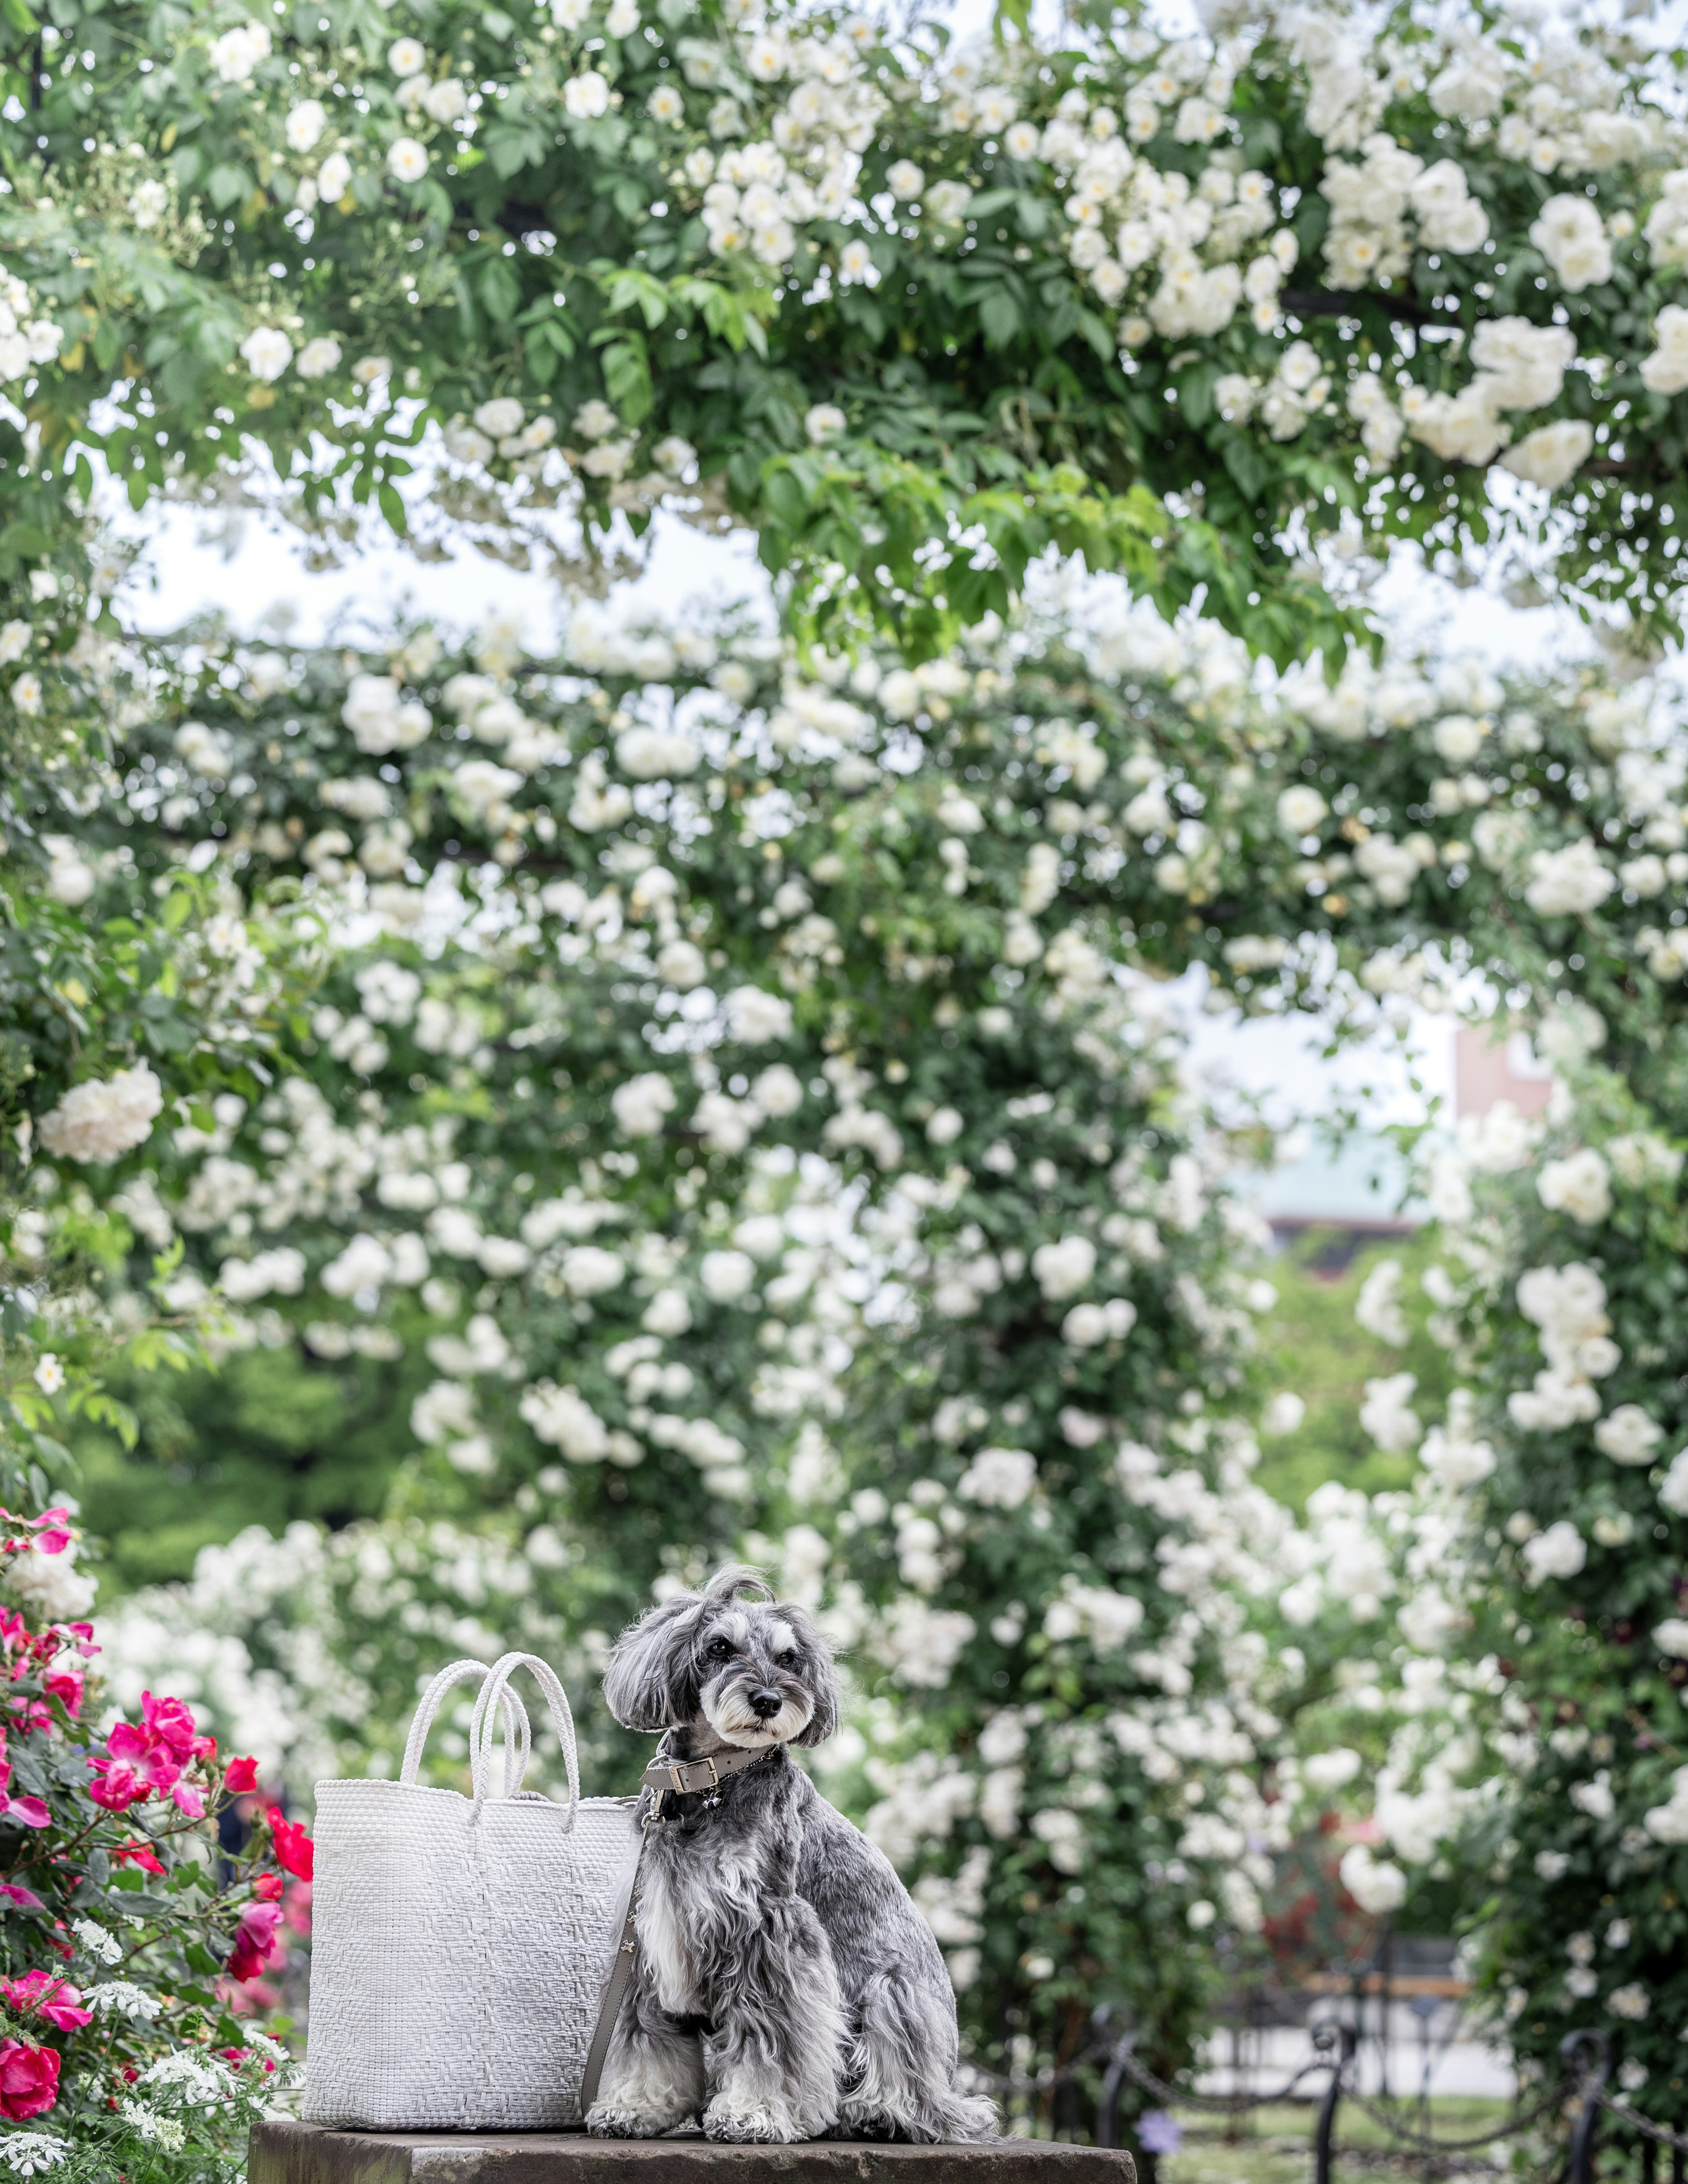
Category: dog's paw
<point>605,2121</point>
<point>740,2120</point>
<point>858,2122</point>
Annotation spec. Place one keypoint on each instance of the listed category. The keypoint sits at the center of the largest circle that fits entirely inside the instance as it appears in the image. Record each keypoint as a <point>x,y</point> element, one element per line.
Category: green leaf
<point>227,186</point>
<point>499,290</point>
<point>999,317</point>
<point>784,500</point>
<point>626,379</point>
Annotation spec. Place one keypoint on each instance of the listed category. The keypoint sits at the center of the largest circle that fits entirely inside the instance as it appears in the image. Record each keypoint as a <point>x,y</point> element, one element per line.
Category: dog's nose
<point>764,1702</point>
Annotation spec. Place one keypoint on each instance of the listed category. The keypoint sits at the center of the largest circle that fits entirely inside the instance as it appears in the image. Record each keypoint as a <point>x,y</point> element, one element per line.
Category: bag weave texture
<point>460,1946</point>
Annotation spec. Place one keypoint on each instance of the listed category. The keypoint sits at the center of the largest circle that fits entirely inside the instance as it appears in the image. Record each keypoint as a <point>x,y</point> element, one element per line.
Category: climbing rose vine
<point>1192,308</point>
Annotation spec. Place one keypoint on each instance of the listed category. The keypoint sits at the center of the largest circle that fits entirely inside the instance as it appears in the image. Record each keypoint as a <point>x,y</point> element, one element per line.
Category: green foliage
<point>269,1437</point>
<point>1312,1345</point>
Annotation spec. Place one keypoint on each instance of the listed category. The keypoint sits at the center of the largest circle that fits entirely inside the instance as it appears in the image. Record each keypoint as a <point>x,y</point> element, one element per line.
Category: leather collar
<point>684,1778</point>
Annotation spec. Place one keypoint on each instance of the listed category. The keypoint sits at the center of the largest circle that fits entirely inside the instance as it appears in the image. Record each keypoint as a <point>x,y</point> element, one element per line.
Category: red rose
<point>49,1993</point>
<point>255,1940</point>
<point>134,1853</point>
<point>117,1787</point>
<point>242,1776</point>
<point>65,1685</point>
<point>295,1852</point>
<point>267,1887</point>
<point>29,2079</point>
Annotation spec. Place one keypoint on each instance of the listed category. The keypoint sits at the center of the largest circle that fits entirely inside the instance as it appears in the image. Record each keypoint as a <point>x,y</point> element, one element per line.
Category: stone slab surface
<point>287,2153</point>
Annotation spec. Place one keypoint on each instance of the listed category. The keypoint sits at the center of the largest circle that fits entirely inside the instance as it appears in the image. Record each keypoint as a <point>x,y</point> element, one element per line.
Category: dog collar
<point>683,1778</point>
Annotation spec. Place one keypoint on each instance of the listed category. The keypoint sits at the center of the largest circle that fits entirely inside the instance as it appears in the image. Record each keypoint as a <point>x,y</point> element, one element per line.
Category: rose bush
<point>130,1921</point>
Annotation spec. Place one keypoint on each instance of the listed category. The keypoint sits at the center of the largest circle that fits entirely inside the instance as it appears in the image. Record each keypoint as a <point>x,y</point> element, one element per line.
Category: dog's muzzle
<point>750,1711</point>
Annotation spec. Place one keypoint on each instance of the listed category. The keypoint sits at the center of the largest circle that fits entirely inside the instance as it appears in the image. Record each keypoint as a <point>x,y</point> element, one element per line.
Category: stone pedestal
<point>285,2152</point>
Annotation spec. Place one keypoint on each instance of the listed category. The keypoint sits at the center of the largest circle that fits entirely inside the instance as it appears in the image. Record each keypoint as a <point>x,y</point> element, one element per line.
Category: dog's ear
<point>649,1665</point>
<point>821,1678</point>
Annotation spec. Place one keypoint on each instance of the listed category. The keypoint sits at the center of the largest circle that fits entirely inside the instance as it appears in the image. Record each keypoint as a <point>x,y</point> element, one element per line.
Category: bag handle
<point>518,1736</point>
<point>492,1693</point>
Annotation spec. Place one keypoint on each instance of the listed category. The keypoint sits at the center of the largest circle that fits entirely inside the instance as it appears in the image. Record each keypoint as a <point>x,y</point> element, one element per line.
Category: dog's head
<point>758,1673</point>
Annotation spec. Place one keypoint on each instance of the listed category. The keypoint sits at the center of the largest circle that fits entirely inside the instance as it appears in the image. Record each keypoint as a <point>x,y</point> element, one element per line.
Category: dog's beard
<point>727,1709</point>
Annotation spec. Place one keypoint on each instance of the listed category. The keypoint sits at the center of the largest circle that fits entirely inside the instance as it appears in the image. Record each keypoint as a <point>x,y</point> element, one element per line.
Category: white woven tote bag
<point>461,1946</point>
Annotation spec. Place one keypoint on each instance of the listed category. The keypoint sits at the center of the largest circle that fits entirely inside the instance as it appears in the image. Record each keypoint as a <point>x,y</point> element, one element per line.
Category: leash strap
<point>620,1971</point>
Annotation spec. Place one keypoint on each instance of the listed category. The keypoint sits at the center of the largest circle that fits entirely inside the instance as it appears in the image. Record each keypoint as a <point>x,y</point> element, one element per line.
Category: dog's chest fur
<point>706,1878</point>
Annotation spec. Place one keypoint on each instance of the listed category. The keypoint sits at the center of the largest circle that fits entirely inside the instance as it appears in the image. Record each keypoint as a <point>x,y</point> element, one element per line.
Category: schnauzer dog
<point>785,1987</point>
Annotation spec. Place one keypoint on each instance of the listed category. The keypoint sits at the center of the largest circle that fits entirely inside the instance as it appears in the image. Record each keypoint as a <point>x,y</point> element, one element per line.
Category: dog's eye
<point>721,1649</point>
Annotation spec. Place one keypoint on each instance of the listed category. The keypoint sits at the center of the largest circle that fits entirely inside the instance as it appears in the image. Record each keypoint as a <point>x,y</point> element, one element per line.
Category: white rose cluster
<point>103,1118</point>
<point>758,196</point>
<point>1520,366</point>
<point>26,338</point>
<point>1368,240</point>
<point>1567,1304</point>
<point>1169,252</point>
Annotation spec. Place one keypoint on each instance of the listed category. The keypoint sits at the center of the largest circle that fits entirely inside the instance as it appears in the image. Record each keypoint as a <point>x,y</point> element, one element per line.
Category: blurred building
<point>1357,1189</point>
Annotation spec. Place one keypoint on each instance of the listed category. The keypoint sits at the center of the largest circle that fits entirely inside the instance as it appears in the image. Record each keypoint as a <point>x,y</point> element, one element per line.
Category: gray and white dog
<point>785,1987</point>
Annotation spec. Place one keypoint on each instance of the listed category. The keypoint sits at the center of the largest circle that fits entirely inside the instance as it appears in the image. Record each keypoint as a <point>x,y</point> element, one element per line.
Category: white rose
<point>754,1016</point>
<point>1666,371</point>
<point>445,100</point>
<point>641,1103</point>
<point>778,1091</point>
<point>1063,1269</point>
<point>1627,1436</point>
<point>268,352</point>
<point>305,124</point>
<point>587,1270</point>
<point>727,1275</point>
<point>1579,1185</point>
<point>1376,1885</point>
<point>1301,808</point>
<point>1559,1551</point>
<point>1458,737</point>
<point>501,416</point>
<point>318,358</point>
<point>407,161</point>
<point>1568,234</point>
<point>668,1313</point>
<point>682,965</point>
<point>236,53</point>
<point>1671,1636</point>
<point>1552,455</point>
<point>1569,882</point>
<point>998,1478</point>
<point>102,1117</point>
<point>586,96</point>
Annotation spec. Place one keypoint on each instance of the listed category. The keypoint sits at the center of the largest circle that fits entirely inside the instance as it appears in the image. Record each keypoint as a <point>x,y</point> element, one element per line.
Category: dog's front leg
<point>653,2074</point>
<point>775,2055</point>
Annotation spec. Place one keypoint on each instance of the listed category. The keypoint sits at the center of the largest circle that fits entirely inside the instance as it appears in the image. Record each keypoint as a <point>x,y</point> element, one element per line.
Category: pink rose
<point>29,2079</point>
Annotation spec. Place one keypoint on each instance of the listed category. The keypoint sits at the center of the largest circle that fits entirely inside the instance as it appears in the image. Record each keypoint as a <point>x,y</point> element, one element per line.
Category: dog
<point>785,1987</point>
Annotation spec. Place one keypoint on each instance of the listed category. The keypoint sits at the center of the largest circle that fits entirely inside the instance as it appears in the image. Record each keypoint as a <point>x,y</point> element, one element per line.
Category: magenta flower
<point>49,1996</point>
